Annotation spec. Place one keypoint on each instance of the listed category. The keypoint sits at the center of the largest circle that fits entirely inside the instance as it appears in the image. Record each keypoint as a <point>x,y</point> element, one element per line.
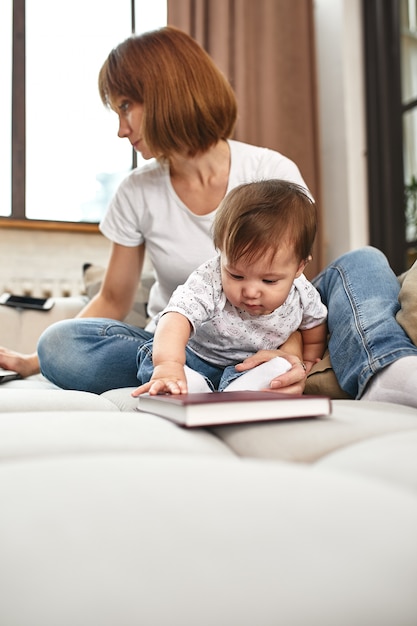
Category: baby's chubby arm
<point>314,344</point>
<point>171,337</point>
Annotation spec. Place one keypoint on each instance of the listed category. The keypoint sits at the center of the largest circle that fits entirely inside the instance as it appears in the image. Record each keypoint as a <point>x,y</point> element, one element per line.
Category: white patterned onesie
<point>223,334</point>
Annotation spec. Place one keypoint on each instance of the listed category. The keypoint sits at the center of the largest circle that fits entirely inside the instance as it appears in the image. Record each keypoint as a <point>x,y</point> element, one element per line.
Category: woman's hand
<point>292,381</point>
<point>23,364</point>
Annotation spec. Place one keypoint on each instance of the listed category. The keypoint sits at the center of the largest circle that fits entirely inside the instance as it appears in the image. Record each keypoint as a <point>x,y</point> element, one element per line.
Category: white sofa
<point>112,517</point>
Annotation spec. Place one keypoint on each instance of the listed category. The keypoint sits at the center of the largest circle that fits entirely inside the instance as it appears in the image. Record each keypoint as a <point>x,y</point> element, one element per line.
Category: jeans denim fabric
<point>217,378</point>
<point>91,354</point>
<point>361,293</point>
<point>359,289</point>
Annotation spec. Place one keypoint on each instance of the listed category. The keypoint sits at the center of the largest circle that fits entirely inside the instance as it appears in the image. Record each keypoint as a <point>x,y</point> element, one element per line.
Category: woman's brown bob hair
<point>256,218</point>
<point>188,103</point>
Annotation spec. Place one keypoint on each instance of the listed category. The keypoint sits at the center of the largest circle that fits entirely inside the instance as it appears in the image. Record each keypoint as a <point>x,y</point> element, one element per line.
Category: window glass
<point>150,15</point>
<point>5,106</point>
<point>74,159</point>
<point>409,97</point>
<point>410,172</point>
<point>409,49</point>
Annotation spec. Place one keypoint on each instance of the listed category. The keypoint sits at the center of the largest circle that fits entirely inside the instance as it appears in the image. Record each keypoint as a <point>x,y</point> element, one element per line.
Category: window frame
<point>18,111</point>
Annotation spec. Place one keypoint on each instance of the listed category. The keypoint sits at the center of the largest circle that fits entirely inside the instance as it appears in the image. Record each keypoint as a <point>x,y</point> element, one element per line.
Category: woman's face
<point>130,124</point>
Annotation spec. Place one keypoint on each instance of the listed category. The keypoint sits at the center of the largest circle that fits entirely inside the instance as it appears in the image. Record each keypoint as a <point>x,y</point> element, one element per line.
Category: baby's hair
<point>188,104</point>
<point>255,218</point>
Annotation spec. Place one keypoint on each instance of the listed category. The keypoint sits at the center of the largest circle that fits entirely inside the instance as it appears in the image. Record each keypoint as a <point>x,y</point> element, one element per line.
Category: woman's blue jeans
<point>359,289</point>
<point>361,293</point>
<point>91,354</point>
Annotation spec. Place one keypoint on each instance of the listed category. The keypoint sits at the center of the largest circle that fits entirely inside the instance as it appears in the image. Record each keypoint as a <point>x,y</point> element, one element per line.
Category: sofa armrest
<point>20,328</point>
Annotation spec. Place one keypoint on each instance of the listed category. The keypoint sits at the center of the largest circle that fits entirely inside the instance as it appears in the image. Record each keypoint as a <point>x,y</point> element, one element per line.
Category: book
<point>233,407</point>
<point>6,375</point>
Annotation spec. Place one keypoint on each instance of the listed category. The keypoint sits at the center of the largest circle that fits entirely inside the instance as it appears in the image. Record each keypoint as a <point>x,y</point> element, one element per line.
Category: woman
<point>175,105</point>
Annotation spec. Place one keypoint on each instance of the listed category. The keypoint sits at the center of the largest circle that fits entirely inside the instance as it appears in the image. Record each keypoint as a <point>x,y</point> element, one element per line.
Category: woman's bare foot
<point>23,364</point>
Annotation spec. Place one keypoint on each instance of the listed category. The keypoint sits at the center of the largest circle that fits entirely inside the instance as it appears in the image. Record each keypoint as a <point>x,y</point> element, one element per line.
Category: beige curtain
<point>266,49</point>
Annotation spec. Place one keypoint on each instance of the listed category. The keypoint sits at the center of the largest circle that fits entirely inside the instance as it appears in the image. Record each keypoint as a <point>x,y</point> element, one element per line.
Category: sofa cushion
<point>407,315</point>
<point>55,432</point>
<point>390,457</point>
<point>46,399</point>
<point>166,540</point>
<point>37,381</point>
<point>322,380</point>
<point>122,398</point>
<point>308,440</point>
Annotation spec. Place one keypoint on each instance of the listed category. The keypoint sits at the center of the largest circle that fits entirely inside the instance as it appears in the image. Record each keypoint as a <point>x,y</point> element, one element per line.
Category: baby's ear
<point>303,264</point>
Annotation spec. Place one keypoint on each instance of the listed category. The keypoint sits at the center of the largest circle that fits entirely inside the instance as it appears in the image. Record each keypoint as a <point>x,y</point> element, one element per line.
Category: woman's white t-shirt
<point>146,209</point>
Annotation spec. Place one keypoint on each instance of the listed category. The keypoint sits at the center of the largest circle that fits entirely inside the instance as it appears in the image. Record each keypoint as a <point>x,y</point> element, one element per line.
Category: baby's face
<point>261,286</point>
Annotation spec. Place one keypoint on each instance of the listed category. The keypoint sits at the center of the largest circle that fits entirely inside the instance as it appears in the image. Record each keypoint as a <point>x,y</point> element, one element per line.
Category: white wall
<point>339,45</point>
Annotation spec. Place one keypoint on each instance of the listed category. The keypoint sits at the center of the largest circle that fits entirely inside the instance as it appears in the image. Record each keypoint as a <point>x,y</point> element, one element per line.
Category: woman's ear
<point>303,264</point>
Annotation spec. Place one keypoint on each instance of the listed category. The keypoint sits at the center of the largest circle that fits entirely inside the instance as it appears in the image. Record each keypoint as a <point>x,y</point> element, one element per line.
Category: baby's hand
<point>167,377</point>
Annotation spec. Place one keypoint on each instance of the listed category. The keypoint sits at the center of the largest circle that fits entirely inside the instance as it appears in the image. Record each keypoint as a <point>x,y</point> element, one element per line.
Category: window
<point>409,100</point>
<point>67,159</point>
<point>390,35</point>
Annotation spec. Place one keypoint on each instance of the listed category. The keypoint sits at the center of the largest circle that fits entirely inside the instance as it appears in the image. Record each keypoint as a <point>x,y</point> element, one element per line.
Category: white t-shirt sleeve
<point>121,223</point>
